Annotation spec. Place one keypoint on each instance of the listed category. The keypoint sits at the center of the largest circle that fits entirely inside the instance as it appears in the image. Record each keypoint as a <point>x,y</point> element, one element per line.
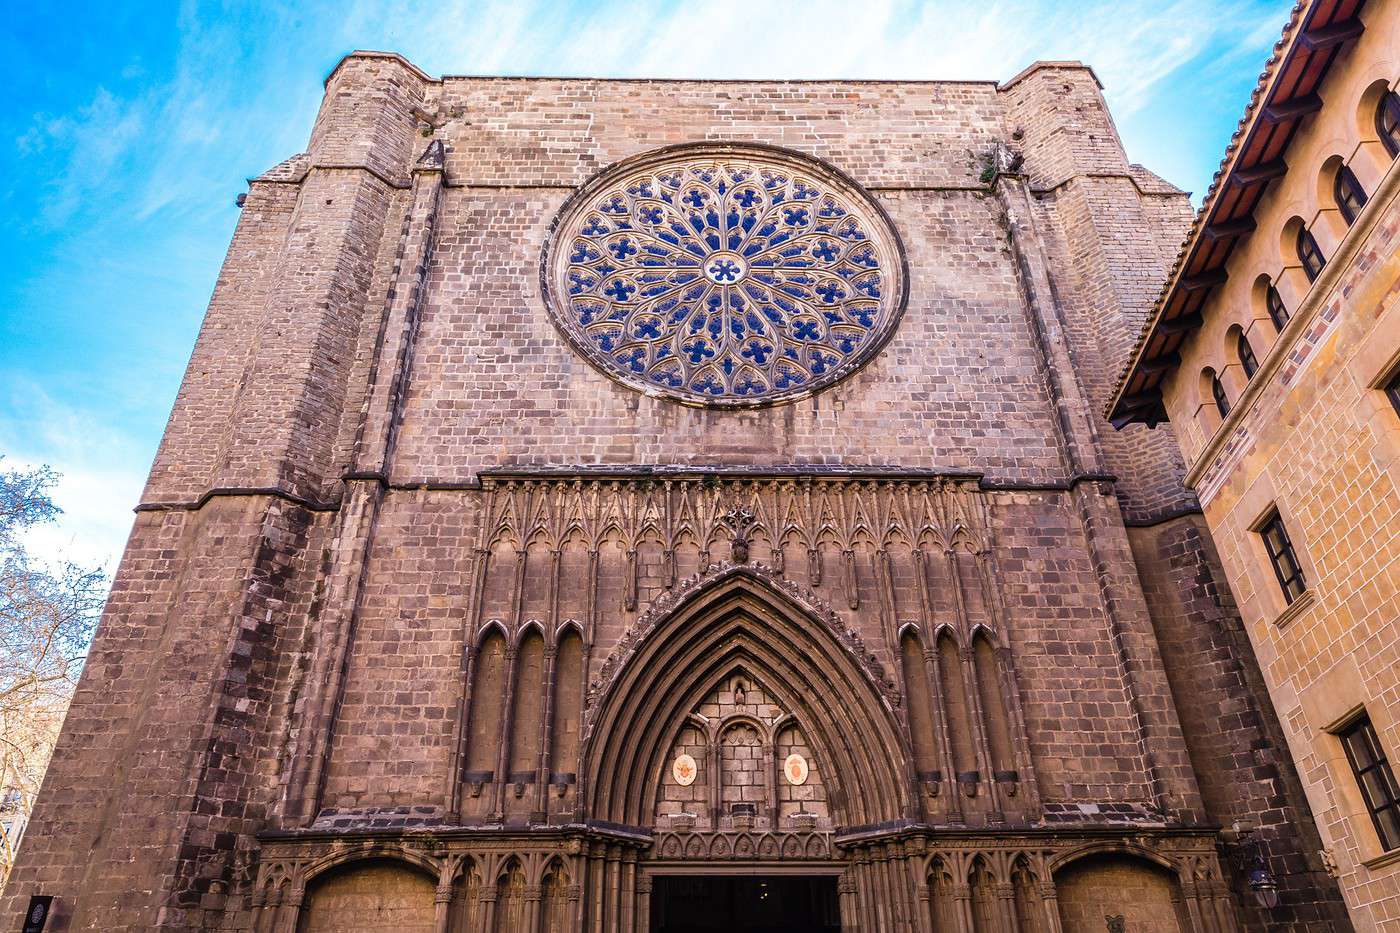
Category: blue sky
<point>129,129</point>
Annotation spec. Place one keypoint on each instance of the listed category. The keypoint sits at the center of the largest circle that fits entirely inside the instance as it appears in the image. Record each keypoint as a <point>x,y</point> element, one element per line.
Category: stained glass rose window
<point>724,275</point>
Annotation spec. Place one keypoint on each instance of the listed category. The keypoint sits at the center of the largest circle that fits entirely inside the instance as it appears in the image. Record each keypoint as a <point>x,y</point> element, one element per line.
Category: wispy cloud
<point>101,475</point>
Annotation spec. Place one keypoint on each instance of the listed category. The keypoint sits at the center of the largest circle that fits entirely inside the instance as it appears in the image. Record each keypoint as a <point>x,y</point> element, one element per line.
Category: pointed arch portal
<point>739,623</point>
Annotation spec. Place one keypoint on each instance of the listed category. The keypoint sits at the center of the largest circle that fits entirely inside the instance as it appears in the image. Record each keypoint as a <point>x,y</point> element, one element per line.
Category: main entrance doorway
<point>745,904</point>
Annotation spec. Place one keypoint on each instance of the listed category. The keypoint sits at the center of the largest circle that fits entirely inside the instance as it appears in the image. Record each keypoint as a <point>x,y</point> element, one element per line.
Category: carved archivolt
<point>804,599</point>
<point>737,622</point>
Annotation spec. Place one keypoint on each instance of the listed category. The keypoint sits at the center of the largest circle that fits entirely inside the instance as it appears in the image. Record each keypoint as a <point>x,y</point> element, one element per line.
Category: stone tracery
<point>722,275</point>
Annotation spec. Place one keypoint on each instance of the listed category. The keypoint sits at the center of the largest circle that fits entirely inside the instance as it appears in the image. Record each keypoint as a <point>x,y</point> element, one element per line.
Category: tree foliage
<point>47,616</point>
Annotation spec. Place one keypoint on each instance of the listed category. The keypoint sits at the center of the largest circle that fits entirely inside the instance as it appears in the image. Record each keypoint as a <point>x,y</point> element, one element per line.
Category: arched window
<point>1246,355</point>
<point>1388,122</point>
<point>1278,311</point>
<point>1217,391</point>
<point>1351,197</point>
<point>1310,254</point>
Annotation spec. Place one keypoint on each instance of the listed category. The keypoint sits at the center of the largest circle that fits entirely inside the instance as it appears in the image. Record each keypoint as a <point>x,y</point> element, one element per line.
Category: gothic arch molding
<point>738,621</point>
<point>400,855</point>
<point>1116,847</point>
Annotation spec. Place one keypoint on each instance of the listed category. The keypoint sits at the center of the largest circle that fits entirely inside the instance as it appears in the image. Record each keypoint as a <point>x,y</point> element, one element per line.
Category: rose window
<point>724,275</point>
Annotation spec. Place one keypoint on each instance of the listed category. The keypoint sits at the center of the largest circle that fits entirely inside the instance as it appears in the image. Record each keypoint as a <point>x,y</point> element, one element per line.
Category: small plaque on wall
<point>796,769</point>
<point>683,769</point>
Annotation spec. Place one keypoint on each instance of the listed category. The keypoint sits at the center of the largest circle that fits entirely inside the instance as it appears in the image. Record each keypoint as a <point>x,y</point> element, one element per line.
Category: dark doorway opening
<point>745,904</point>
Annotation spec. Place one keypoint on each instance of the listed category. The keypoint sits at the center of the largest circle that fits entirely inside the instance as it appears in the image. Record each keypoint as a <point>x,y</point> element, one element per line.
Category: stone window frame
<point>1278,311</point>
<point>1218,393</point>
<point>1391,387</point>
<point>1281,550</point>
<point>1388,121</point>
<point>883,234</point>
<point>1349,193</point>
<point>1309,254</point>
<point>1380,795</point>
<point>1245,353</point>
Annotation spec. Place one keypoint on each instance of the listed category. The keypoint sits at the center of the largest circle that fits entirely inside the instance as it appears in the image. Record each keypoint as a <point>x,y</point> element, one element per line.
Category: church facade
<point>670,505</point>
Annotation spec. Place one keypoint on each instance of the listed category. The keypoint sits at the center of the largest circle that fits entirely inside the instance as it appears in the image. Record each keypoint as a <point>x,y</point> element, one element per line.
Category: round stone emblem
<point>683,769</point>
<point>724,275</point>
<point>795,768</point>
<point>726,268</point>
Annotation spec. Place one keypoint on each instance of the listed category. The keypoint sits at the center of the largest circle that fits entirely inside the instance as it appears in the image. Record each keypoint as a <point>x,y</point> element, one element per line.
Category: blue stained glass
<point>727,277</point>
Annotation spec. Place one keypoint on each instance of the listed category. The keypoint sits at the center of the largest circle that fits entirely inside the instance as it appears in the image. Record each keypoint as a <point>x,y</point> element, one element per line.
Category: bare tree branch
<point>47,617</point>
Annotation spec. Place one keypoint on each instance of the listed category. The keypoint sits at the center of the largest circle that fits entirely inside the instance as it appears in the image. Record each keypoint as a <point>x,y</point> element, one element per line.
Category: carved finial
<point>1007,160</point>
<point>739,521</point>
<point>434,157</point>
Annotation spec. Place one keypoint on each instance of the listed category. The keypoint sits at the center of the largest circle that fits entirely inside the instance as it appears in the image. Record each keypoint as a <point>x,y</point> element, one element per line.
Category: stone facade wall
<point>413,581</point>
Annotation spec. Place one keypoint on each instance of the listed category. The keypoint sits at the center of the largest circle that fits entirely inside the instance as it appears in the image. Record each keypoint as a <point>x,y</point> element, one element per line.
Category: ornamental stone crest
<point>724,275</point>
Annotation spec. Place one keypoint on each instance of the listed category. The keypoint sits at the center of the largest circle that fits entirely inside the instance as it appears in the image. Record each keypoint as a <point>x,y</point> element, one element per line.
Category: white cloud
<point>101,472</point>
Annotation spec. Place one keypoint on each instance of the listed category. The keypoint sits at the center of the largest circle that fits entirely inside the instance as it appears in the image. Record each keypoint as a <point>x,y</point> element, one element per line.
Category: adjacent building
<point>1274,351</point>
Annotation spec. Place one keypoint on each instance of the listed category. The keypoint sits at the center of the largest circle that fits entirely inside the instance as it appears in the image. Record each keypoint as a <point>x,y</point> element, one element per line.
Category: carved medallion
<point>683,769</point>
<point>795,768</point>
<point>724,275</point>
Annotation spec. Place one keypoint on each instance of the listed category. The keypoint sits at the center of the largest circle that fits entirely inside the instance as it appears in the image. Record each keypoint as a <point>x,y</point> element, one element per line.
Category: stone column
<point>442,904</point>
<point>1199,923</point>
<point>533,893</point>
<point>962,900</point>
<point>613,885</point>
<point>845,898</point>
<point>1224,906</point>
<point>575,898</point>
<point>643,903</point>
<point>289,915</point>
<point>541,811</point>
<point>628,883</point>
<point>488,905</point>
<point>498,805</point>
<point>597,887</point>
<point>265,910</point>
<point>1006,903</point>
<point>953,798</point>
<point>771,785</point>
<point>924,898</point>
<point>1051,905</point>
